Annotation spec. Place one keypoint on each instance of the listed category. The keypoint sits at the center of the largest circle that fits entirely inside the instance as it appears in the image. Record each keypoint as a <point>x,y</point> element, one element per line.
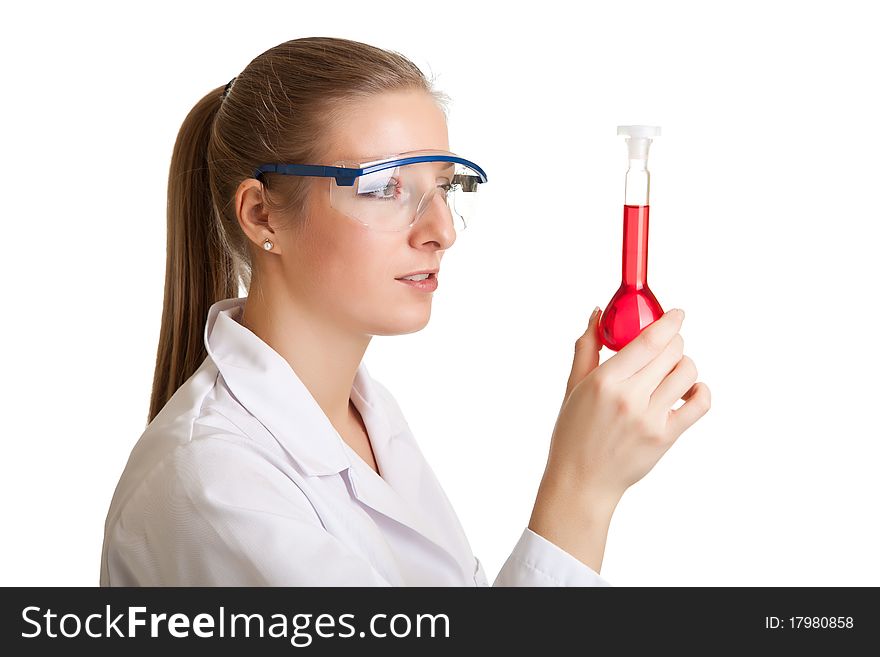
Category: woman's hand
<point>615,423</point>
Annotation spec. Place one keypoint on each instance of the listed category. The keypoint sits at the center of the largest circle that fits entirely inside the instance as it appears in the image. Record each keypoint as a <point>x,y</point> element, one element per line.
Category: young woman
<point>319,179</point>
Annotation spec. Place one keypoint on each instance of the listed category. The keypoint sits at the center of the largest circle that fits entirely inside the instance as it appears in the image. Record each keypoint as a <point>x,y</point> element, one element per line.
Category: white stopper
<point>639,139</point>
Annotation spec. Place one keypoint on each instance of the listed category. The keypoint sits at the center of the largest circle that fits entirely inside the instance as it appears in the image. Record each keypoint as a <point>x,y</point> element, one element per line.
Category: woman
<point>271,457</point>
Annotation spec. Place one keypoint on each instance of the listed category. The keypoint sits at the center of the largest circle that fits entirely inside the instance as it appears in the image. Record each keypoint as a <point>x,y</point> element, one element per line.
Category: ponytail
<point>198,270</point>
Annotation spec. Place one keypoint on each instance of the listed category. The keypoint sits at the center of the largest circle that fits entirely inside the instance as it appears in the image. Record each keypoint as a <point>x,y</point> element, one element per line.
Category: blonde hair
<point>280,108</point>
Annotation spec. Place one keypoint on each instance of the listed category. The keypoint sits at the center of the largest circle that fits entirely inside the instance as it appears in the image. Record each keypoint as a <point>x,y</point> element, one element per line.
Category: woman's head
<point>316,101</point>
<point>331,264</point>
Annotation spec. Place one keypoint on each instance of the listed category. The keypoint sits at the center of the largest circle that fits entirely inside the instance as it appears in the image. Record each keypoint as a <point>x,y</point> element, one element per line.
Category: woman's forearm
<point>573,519</point>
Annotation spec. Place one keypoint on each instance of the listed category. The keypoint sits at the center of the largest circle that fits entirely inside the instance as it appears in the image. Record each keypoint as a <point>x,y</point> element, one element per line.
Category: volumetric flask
<point>633,306</point>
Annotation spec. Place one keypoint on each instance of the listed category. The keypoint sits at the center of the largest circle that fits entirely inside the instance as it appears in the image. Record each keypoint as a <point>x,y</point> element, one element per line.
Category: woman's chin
<point>403,321</point>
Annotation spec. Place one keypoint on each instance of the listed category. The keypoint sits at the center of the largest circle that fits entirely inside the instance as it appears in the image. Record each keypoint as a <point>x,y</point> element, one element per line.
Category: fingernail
<point>593,316</point>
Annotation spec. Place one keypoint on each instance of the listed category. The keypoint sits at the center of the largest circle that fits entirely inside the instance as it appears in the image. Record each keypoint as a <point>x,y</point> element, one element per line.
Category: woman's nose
<point>436,217</point>
<point>434,205</point>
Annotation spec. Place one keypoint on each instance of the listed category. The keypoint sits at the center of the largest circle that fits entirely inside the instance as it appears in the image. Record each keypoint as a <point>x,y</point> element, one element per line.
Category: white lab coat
<point>242,480</point>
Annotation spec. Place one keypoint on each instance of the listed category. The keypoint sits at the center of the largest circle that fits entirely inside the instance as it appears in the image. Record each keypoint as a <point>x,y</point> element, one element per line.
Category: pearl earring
<point>267,244</point>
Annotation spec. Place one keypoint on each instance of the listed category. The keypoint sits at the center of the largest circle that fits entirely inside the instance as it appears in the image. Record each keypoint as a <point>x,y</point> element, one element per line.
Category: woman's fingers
<point>586,353</point>
<point>675,385</point>
<point>697,401</point>
<point>644,347</point>
<point>649,378</point>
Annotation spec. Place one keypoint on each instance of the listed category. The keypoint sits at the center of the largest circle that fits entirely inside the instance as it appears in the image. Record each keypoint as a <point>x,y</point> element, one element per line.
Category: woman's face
<point>344,271</point>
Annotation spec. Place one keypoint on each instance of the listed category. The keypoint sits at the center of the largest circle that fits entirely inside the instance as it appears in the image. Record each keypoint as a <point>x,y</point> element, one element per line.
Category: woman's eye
<point>387,193</point>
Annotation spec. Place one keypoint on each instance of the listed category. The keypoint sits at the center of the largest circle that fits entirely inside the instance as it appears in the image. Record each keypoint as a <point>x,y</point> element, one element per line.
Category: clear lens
<point>393,199</point>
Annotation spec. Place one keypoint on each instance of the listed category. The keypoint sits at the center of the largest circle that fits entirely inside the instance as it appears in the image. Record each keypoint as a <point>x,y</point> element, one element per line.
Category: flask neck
<point>638,183</point>
<point>638,164</point>
<point>635,246</point>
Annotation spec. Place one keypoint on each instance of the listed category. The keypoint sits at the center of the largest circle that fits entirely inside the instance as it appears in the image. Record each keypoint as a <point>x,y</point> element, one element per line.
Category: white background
<point>764,226</point>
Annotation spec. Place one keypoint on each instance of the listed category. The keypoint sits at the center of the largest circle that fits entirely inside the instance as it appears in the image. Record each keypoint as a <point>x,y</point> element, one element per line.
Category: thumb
<point>586,352</point>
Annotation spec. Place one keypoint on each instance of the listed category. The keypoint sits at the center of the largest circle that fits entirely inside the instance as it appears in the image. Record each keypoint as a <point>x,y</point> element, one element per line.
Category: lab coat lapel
<point>265,384</point>
<point>407,490</point>
<point>377,493</point>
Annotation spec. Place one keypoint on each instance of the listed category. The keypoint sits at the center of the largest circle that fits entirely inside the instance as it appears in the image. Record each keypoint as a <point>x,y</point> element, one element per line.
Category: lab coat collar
<point>268,387</point>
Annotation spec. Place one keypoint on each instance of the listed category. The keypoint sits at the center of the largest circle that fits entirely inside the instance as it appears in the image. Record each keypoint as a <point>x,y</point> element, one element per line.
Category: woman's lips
<point>427,285</point>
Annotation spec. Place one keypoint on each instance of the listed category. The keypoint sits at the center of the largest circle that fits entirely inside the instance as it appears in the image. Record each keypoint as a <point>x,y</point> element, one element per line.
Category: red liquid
<point>633,306</point>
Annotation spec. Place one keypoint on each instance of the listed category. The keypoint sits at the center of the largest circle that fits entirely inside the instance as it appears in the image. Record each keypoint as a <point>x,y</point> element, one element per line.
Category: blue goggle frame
<point>345,176</point>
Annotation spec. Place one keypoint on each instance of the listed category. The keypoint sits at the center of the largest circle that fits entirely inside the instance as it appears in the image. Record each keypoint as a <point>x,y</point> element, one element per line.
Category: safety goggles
<point>390,193</point>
